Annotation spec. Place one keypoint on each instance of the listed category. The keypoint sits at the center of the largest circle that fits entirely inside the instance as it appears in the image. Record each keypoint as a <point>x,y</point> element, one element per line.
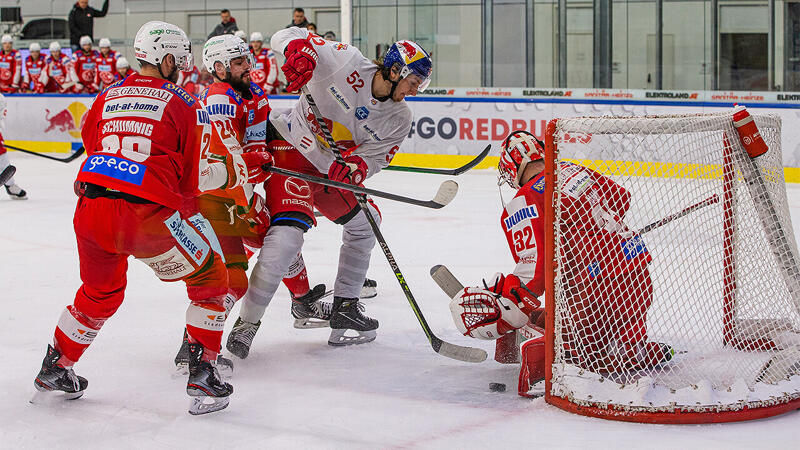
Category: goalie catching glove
<point>301,59</point>
<point>482,314</point>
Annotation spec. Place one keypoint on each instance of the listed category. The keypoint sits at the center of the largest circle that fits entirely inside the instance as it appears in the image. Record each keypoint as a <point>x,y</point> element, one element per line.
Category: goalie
<point>605,275</point>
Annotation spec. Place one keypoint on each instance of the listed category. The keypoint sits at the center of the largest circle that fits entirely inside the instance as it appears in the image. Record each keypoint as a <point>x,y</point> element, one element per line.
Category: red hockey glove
<point>257,163</point>
<point>511,287</point>
<point>301,59</point>
<point>352,171</point>
<point>257,216</point>
<point>478,313</point>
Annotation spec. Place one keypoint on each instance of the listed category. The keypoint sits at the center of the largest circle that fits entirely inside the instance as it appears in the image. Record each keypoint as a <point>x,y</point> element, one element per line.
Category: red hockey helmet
<point>519,148</point>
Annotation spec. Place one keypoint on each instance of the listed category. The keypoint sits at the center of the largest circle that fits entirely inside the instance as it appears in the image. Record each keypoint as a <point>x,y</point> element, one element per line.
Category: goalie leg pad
<point>531,371</point>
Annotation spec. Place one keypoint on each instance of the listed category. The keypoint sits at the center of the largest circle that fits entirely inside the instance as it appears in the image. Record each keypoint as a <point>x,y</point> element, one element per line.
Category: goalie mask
<point>519,148</point>
<point>481,314</point>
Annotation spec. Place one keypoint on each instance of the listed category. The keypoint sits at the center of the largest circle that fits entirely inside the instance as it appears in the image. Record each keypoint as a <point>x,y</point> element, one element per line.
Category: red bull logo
<point>68,120</point>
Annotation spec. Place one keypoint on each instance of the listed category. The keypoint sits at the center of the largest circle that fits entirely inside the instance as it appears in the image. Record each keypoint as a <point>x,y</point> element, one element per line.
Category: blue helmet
<point>413,60</point>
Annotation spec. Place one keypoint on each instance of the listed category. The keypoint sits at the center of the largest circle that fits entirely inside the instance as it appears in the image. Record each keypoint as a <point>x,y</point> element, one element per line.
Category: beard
<point>241,83</point>
<point>173,76</point>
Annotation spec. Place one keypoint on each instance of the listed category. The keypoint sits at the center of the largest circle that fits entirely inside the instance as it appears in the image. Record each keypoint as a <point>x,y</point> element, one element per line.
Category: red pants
<point>108,232</point>
<point>286,197</point>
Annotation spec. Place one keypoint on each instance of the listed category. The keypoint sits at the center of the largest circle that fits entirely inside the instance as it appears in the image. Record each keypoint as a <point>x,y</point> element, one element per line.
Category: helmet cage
<point>519,148</point>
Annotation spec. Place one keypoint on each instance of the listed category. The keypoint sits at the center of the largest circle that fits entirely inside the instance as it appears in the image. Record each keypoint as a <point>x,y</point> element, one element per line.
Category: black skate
<point>348,315</point>
<point>241,337</point>
<point>209,393</point>
<point>53,378</point>
<point>16,192</point>
<point>224,365</point>
<point>309,311</point>
<point>369,290</point>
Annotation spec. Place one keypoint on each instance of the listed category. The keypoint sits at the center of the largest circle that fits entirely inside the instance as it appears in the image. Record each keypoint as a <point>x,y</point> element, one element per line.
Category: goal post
<point>708,328</point>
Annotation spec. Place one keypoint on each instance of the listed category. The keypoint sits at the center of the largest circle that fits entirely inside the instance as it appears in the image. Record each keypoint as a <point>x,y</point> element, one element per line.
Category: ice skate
<point>16,192</point>
<point>348,315</point>
<point>241,337</point>
<point>53,378</point>
<point>309,311</point>
<point>369,290</point>
<point>209,393</point>
<point>224,365</point>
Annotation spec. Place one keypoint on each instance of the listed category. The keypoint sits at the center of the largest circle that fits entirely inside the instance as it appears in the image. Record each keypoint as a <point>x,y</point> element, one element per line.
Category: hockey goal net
<point>699,321</point>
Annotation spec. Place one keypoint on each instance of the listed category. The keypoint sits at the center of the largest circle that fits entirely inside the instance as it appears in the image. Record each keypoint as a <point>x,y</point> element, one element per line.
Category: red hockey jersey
<point>36,73</point>
<point>84,66</point>
<point>10,71</point>
<point>59,73</point>
<point>106,69</point>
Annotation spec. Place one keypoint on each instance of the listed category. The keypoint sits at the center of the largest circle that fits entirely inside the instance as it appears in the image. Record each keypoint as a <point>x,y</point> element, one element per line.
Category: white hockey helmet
<point>55,47</point>
<point>104,43</point>
<point>223,49</point>
<point>519,148</point>
<point>241,35</point>
<point>256,37</point>
<point>35,47</point>
<point>85,40</point>
<point>157,39</point>
<point>122,62</point>
<point>6,39</point>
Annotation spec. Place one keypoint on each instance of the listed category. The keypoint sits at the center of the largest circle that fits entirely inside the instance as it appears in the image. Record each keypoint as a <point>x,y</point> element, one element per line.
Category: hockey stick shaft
<point>7,173</point>
<point>685,211</point>
<point>435,342</point>
<point>356,189</point>
<point>69,158</point>
<point>457,171</point>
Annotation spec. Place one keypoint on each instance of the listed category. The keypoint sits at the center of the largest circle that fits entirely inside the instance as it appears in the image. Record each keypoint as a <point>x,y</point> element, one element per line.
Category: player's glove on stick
<point>247,168</point>
<point>511,287</point>
<point>352,171</point>
<point>301,59</point>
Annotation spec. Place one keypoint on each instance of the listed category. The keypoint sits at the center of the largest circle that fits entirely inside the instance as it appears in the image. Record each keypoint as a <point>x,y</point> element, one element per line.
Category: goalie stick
<point>7,173</point>
<point>446,193</point>
<point>457,171</point>
<point>467,354</point>
<point>69,158</point>
<point>685,211</point>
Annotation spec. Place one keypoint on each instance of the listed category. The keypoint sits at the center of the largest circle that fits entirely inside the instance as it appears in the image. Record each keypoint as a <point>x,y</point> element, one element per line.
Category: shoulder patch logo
<point>539,186</point>
<point>185,96</point>
<point>362,113</point>
<point>234,95</point>
<point>256,90</point>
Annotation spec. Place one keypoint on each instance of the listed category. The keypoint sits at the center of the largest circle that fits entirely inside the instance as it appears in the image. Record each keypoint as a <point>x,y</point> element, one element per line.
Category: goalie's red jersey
<point>147,137</point>
<point>600,245</point>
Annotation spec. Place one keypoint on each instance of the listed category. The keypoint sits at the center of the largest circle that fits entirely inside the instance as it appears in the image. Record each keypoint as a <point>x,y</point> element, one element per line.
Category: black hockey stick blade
<point>457,171</point>
<point>69,158</point>
<point>446,193</point>
<point>7,173</point>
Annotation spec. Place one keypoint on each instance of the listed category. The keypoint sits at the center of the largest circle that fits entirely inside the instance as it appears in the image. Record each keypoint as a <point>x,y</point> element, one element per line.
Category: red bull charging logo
<point>68,120</point>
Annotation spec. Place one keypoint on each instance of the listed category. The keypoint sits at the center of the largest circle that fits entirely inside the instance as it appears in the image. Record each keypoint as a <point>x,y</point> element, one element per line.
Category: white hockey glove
<point>481,314</point>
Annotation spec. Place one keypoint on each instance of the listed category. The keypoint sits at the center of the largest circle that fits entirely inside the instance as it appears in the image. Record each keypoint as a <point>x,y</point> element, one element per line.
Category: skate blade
<point>44,397</point>
<point>368,292</point>
<point>311,323</point>
<point>340,339</point>
<point>205,404</point>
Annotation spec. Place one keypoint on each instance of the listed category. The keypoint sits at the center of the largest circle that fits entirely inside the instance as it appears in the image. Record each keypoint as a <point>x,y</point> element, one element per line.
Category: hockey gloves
<point>481,314</point>
<point>511,287</point>
<point>301,59</point>
<point>352,171</point>
<point>247,168</point>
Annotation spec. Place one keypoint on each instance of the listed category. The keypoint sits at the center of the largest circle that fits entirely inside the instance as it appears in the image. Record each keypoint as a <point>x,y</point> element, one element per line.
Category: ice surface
<point>294,391</point>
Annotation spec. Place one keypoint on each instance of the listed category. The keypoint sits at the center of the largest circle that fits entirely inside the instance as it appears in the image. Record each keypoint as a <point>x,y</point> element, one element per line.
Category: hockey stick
<point>446,193</point>
<point>456,171</point>
<point>685,211</point>
<point>7,173</point>
<point>69,158</point>
<point>467,354</point>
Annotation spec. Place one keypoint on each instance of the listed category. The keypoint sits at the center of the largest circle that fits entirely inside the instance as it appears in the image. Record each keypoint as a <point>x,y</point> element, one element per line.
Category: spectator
<point>312,27</point>
<point>298,19</point>
<point>124,68</point>
<point>330,36</point>
<point>81,21</point>
<point>228,25</point>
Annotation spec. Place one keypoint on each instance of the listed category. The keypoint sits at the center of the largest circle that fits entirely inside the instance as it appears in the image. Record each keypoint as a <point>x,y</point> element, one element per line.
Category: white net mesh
<point>701,310</point>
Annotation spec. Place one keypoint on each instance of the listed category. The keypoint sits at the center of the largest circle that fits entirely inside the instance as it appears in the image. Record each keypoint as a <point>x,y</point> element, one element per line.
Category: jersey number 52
<point>355,81</point>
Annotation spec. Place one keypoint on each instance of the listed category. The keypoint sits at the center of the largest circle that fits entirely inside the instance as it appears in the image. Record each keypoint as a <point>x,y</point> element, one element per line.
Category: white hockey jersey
<point>342,89</point>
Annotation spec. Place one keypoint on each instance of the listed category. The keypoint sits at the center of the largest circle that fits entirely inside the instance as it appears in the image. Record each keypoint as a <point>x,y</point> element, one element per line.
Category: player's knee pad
<point>292,219</point>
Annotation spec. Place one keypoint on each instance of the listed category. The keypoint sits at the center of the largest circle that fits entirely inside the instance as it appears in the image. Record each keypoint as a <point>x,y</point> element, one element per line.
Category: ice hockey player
<point>106,65</point>
<point>363,106</point>
<point>188,81</point>
<point>35,78</point>
<point>265,70</point>
<point>59,70</point>
<point>238,111</point>
<point>84,66</point>
<point>138,189</point>
<point>10,66</point>
<point>14,191</point>
<point>124,69</point>
<point>608,266</point>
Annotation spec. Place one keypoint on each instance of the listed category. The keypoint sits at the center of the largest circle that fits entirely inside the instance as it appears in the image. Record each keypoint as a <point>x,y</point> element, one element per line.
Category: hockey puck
<point>497,387</point>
